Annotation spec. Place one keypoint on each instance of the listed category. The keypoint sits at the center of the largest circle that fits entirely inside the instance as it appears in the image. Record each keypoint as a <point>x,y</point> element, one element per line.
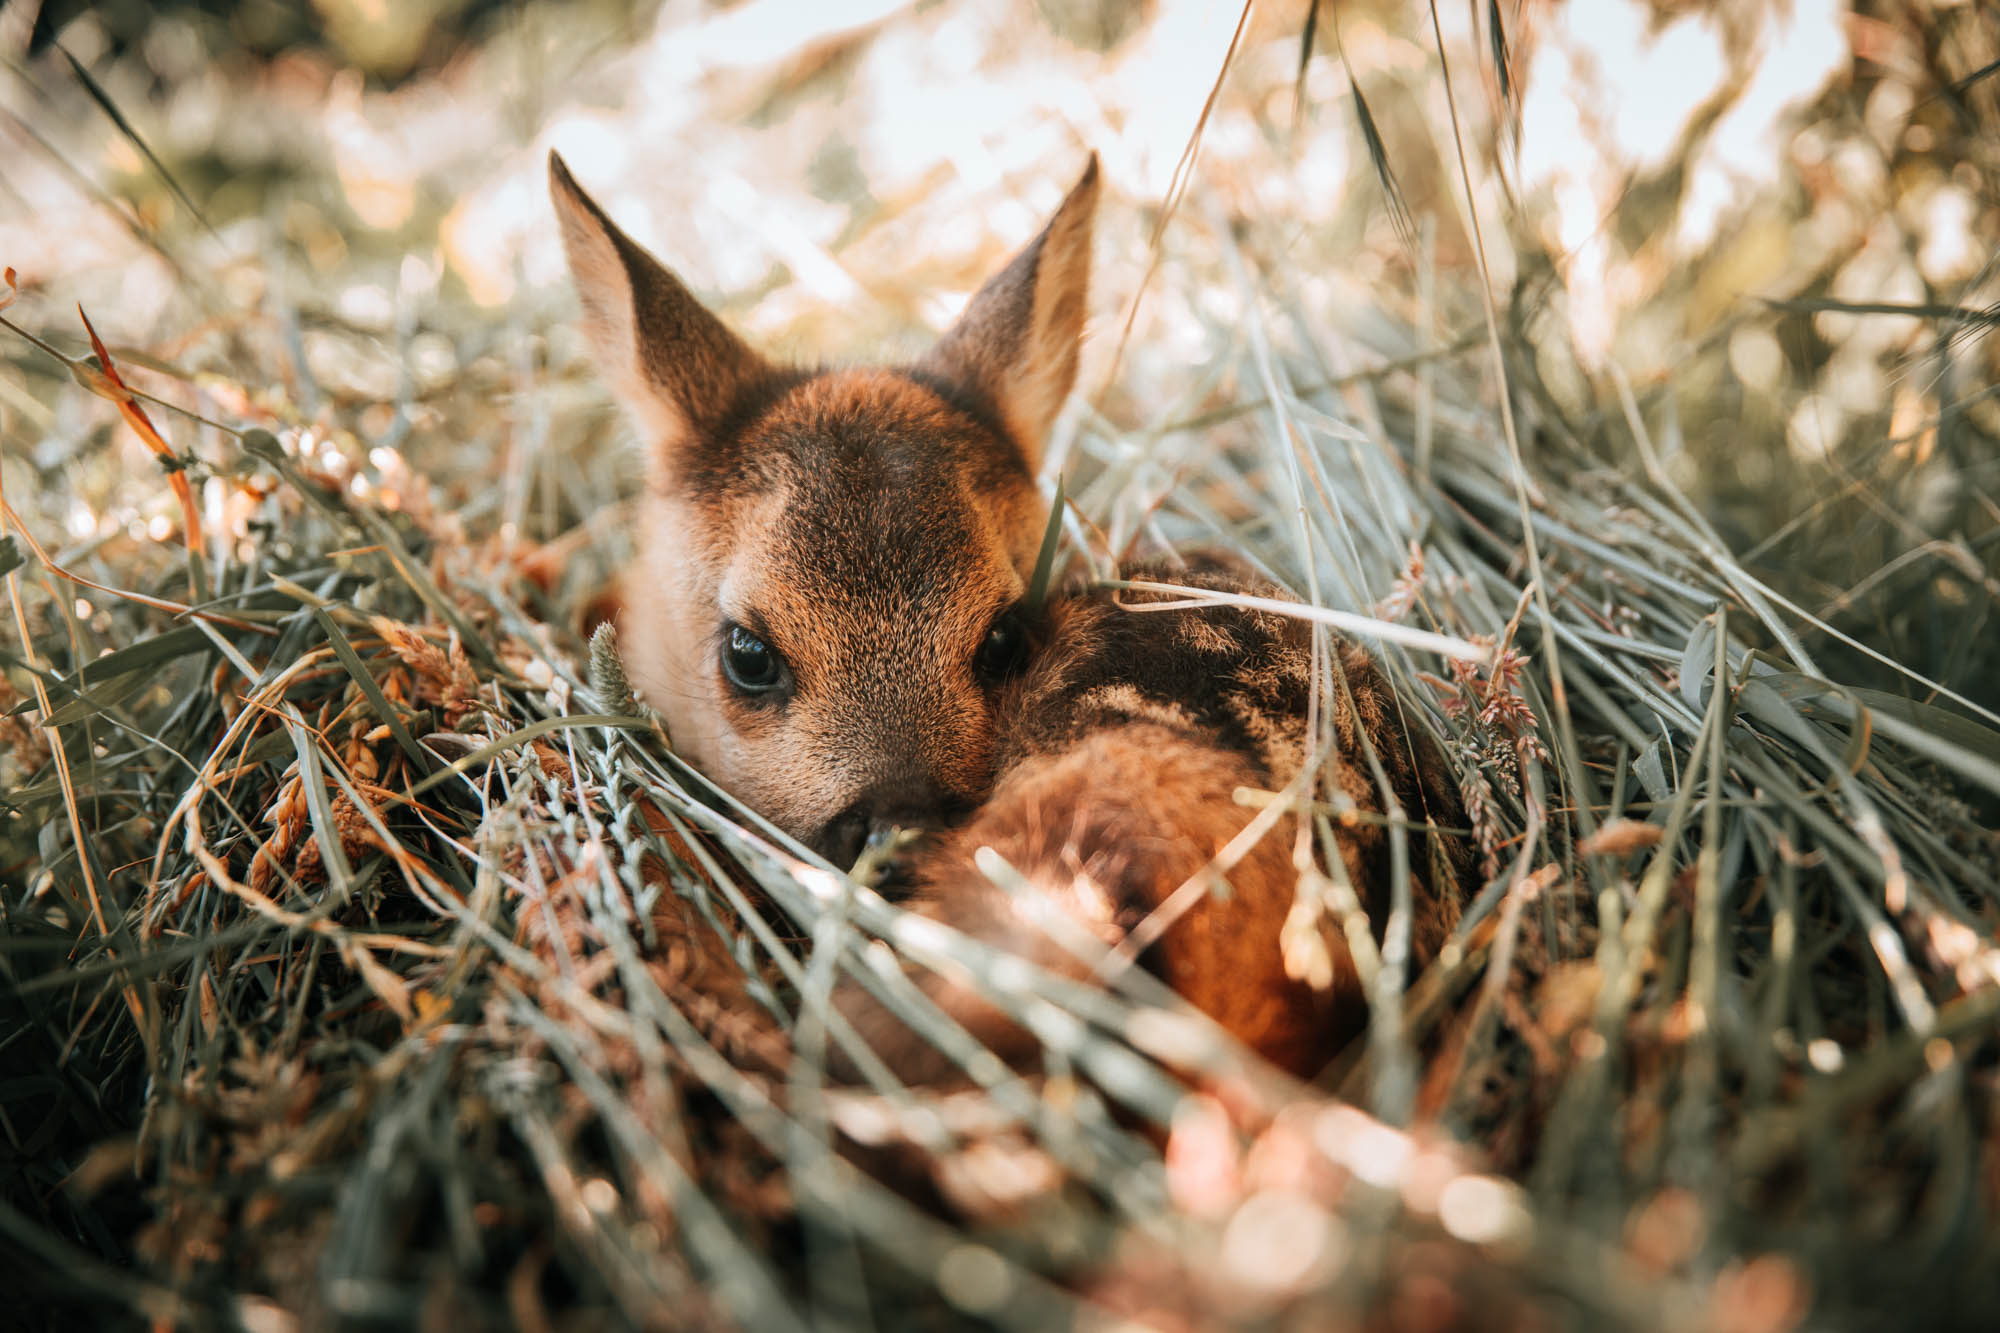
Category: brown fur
<point>870,525</point>
<point>1119,764</point>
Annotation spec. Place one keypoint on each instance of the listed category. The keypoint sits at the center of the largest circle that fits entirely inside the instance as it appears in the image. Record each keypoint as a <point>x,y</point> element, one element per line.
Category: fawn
<point>828,591</point>
<point>828,608</point>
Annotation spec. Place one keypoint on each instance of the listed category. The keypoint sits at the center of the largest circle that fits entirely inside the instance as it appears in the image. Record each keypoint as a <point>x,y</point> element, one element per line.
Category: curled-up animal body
<point>1116,819</point>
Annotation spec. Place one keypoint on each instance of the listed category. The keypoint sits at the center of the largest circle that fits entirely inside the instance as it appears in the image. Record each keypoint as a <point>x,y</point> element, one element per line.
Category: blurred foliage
<point>388,40</point>
<point>1805,305</point>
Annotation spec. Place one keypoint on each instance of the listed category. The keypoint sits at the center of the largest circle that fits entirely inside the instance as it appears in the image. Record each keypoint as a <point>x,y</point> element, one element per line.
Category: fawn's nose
<point>900,803</point>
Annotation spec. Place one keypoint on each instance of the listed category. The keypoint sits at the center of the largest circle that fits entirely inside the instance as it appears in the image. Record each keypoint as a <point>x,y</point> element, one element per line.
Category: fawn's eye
<point>1004,650</point>
<point>753,666</point>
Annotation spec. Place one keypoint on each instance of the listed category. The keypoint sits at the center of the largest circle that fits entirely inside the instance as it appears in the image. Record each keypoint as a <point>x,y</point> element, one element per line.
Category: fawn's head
<point>828,590</point>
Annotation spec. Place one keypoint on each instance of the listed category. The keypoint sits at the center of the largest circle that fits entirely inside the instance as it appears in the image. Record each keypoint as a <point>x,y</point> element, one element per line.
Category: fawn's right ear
<point>674,366</point>
<point>1016,344</point>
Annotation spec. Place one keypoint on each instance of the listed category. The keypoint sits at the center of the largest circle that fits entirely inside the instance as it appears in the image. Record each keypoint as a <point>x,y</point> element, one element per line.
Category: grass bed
<point>369,960</point>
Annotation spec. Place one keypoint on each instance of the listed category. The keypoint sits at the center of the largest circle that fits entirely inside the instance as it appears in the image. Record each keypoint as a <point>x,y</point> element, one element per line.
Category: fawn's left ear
<point>675,366</point>
<point>1016,344</point>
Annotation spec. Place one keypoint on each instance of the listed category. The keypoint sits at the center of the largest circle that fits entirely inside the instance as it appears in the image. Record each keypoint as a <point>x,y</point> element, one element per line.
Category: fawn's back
<point>1119,761</point>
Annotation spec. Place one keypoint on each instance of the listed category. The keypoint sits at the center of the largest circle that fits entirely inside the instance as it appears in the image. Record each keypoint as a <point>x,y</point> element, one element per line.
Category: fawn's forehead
<point>867,482</point>
<point>819,433</point>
